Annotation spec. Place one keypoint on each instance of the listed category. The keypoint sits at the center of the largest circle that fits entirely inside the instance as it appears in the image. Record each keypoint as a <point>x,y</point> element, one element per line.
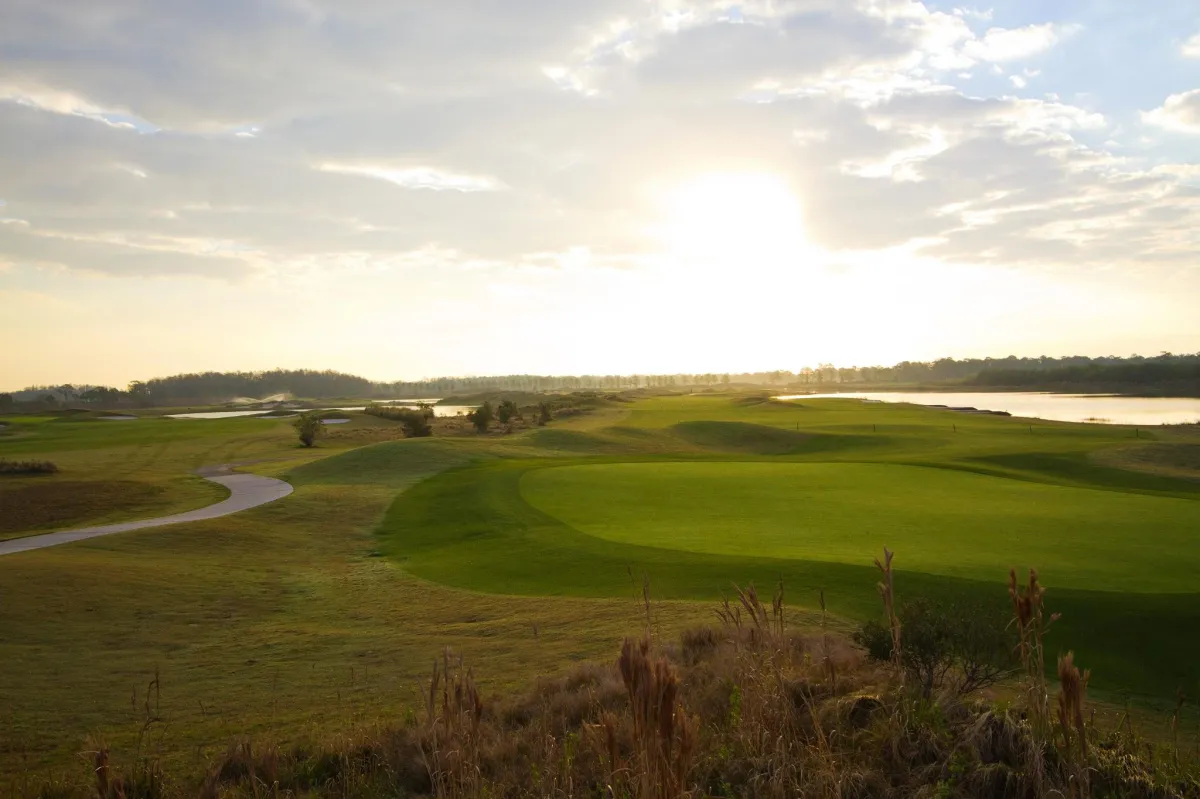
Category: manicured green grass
<point>962,498</point>
<point>946,522</point>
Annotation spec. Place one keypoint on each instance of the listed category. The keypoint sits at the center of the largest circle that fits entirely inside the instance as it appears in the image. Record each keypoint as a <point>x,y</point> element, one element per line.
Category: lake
<point>1097,408</point>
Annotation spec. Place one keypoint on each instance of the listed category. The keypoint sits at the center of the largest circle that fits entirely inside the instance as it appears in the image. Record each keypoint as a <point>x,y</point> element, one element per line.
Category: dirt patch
<point>47,502</point>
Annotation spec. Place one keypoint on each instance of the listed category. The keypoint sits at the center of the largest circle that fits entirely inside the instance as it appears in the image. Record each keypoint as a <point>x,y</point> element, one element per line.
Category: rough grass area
<point>1181,459</point>
<point>743,710</point>
<point>155,451</point>
<point>35,505</point>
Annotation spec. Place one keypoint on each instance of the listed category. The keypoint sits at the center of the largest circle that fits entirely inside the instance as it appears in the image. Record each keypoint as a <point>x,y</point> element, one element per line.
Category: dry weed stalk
<point>603,737</point>
<point>1072,694</point>
<point>825,648</point>
<point>887,591</point>
<point>1072,691</point>
<point>1180,698</point>
<point>664,735</point>
<point>450,746</point>
<point>1032,625</point>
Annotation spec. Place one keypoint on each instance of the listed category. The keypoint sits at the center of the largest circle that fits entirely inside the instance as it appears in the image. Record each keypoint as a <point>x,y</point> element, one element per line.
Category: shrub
<point>27,467</point>
<point>415,422</point>
<point>482,417</point>
<point>961,646</point>
<point>308,427</point>
<point>507,411</point>
<point>544,413</point>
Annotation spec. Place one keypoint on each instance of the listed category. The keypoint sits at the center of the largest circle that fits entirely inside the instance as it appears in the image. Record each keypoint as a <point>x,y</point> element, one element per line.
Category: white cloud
<point>1012,44</point>
<point>1180,112</point>
<point>1191,48</point>
<point>418,177</point>
<point>286,143</point>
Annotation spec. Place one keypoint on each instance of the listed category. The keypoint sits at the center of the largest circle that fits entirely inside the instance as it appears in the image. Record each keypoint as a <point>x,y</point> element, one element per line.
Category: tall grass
<point>749,708</point>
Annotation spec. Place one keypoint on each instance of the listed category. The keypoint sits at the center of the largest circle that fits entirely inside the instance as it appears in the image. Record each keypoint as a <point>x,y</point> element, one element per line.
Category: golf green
<point>945,521</point>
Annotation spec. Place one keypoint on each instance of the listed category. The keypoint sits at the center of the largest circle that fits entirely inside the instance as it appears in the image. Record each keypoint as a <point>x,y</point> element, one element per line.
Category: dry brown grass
<point>748,709</point>
<point>39,503</point>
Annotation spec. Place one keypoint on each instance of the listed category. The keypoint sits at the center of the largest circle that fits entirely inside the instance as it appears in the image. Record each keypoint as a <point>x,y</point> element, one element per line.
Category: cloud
<point>1180,112</point>
<point>1191,48</point>
<point>284,137</point>
<point>1012,44</point>
<point>416,177</point>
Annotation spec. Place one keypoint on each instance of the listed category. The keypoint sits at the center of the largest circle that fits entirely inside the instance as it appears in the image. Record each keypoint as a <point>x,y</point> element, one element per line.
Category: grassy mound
<point>575,442</point>
<point>1181,459</point>
<point>392,463</point>
<point>742,437</point>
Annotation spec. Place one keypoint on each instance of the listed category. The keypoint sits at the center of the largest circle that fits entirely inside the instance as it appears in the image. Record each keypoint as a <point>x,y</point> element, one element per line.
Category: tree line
<point>1162,370</point>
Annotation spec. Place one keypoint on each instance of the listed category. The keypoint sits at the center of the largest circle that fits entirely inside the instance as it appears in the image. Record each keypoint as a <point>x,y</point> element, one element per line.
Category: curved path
<point>245,491</point>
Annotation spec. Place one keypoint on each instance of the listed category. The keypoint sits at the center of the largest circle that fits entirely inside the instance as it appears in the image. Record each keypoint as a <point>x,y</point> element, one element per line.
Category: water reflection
<point>1095,408</point>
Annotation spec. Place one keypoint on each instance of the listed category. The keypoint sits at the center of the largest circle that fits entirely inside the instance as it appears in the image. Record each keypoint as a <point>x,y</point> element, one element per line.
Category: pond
<point>214,414</point>
<point>1096,408</point>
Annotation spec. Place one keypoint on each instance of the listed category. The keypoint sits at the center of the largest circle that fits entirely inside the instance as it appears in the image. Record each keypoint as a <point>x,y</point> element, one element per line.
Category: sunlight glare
<point>740,220</point>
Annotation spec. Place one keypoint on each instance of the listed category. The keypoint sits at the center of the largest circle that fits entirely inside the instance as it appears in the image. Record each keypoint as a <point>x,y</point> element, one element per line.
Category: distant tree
<point>67,392</point>
<point>139,392</point>
<point>47,400</point>
<point>725,379</point>
<point>415,423</point>
<point>482,417</point>
<point>507,411</point>
<point>6,401</point>
<point>309,427</point>
<point>545,414</point>
<point>100,395</point>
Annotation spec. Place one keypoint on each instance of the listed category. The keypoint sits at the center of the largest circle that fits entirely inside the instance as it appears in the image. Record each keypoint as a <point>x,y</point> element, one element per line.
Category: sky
<point>407,190</point>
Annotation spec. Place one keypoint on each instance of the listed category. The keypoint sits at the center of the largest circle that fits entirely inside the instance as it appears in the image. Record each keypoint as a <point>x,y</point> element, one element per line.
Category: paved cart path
<point>245,491</point>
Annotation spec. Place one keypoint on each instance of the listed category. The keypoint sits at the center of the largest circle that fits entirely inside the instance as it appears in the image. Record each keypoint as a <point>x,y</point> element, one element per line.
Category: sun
<point>738,220</point>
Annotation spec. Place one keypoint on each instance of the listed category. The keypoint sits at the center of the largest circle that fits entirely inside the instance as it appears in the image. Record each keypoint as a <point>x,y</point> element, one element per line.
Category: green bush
<point>507,411</point>
<point>482,417</point>
<point>415,422</point>
<point>961,646</point>
<point>308,427</point>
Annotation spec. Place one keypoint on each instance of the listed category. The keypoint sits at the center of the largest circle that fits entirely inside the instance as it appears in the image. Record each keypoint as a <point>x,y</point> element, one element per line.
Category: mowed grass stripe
<point>947,522</point>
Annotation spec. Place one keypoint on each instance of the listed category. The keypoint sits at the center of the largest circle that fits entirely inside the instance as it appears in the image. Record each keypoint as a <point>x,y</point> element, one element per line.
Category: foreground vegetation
<point>751,708</point>
<point>299,633</point>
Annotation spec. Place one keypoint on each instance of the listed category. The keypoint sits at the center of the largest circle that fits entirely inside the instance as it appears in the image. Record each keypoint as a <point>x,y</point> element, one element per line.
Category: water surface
<point>1096,408</point>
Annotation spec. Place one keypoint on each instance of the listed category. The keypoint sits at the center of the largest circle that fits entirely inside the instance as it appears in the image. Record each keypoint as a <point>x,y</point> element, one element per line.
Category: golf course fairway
<point>694,494</point>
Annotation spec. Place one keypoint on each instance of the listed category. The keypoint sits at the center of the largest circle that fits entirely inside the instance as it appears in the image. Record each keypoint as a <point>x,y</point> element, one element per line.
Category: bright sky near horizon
<point>425,188</point>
